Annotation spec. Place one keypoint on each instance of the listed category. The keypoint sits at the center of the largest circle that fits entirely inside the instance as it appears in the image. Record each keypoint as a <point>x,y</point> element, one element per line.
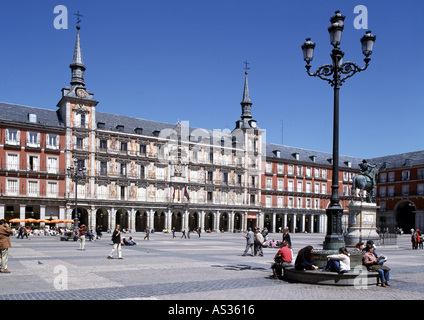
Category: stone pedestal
<point>362,223</point>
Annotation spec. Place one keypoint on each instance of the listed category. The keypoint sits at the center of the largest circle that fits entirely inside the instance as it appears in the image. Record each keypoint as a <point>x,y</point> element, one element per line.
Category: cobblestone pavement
<point>207,268</point>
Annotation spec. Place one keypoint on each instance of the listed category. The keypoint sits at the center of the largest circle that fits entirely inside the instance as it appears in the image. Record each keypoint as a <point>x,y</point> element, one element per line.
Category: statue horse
<point>364,183</point>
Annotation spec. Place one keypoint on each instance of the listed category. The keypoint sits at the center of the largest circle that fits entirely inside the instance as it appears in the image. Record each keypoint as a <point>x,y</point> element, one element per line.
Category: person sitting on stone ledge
<point>371,262</point>
<point>283,259</point>
<point>338,262</point>
<point>304,259</point>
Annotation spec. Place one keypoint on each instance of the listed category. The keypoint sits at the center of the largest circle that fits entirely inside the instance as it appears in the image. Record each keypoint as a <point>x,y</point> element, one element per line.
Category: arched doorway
<point>140,221</point>
<point>102,219</point>
<point>223,222</point>
<point>237,222</point>
<point>209,222</point>
<point>193,221</point>
<point>82,216</point>
<point>159,221</point>
<point>268,221</point>
<point>122,219</point>
<point>405,215</point>
<point>177,220</point>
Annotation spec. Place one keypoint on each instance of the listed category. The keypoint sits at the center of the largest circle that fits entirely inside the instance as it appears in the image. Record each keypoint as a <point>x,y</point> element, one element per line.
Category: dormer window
<point>120,128</point>
<point>296,156</point>
<point>277,153</point>
<point>138,130</point>
<point>156,133</point>
<point>313,158</point>
<point>32,117</point>
<point>101,125</point>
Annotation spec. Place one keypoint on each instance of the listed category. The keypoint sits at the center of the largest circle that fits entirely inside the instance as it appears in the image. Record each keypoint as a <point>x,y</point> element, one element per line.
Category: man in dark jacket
<point>5,233</point>
<point>116,239</point>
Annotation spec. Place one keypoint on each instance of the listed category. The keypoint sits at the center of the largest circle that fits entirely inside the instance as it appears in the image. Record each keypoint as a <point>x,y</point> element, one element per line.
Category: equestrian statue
<point>365,180</point>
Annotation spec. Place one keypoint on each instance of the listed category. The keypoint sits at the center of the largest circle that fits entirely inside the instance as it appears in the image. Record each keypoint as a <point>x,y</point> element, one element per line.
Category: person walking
<point>250,239</point>
<point>147,234</point>
<point>116,239</point>
<point>258,242</point>
<point>81,233</point>
<point>173,233</point>
<point>5,233</point>
<point>286,236</point>
<point>99,230</point>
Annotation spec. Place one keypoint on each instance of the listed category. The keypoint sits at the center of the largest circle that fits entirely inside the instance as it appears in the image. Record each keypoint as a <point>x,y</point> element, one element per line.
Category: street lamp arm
<point>350,68</point>
<point>323,72</point>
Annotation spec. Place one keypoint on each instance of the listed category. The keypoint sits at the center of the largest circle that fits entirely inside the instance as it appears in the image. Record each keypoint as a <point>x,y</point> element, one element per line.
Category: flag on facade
<point>186,194</point>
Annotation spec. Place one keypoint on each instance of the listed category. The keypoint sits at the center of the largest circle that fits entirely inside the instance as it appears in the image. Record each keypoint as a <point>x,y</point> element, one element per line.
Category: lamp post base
<point>334,238</point>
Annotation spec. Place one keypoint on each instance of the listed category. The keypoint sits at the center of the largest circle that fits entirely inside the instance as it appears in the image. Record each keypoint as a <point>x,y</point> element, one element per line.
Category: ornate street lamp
<point>336,74</point>
<point>76,173</point>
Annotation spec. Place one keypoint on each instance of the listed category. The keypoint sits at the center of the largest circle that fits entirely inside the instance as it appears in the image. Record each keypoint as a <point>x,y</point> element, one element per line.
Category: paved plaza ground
<point>207,268</point>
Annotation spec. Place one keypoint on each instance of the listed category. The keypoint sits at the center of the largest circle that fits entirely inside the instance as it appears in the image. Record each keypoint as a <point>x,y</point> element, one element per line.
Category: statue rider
<point>368,170</point>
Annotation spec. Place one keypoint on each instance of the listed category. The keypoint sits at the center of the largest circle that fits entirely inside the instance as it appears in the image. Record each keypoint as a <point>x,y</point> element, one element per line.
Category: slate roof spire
<point>246,103</point>
<point>77,65</point>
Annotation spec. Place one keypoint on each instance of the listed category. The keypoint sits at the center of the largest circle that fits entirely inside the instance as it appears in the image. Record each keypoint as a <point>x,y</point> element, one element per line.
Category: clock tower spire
<point>77,66</point>
<point>246,121</point>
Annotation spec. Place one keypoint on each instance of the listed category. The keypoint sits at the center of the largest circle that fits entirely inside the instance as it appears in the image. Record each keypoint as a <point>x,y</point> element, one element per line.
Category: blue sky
<point>170,60</point>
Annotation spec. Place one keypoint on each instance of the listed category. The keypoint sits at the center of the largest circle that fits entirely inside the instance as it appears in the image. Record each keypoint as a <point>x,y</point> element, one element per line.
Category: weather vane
<point>78,17</point>
<point>246,66</point>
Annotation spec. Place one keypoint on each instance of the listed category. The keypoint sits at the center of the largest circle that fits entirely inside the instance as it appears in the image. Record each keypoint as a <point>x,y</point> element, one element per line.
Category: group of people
<point>339,263</point>
<point>416,239</point>
<point>255,241</point>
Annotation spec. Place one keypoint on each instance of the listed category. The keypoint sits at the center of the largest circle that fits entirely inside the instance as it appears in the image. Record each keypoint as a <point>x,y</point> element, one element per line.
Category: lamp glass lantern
<point>338,18</point>
<point>335,31</point>
<point>368,43</point>
<point>308,50</point>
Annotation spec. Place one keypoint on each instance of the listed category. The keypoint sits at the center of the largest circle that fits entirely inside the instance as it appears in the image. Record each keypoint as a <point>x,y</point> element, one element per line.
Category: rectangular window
<point>33,163</point>
<point>52,141</point>
<point>391,176</point>
<point>32,139</point>
<point>308,187</point>
<point>280,202</point>
<point>12,161</point>
<point>32,188</point>
<point>103,168</point>
<point>405,189</point>
<point>290,202</point>
<point>268,201</point>
<point>316,187</point>
<point>280,168</point>
<point>300,186</point>
<point>391,191</point>
<point>52,165</point>
<point>269,183</point>
<point>280,184</point>
<point>290,186</point>
<point>103,145</point>
<point>405,175</point>
<point>12,187</point>
<point>52,189</point>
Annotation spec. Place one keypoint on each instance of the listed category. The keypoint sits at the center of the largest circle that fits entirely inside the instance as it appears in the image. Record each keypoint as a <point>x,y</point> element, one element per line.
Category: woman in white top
<point>338,262</point>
